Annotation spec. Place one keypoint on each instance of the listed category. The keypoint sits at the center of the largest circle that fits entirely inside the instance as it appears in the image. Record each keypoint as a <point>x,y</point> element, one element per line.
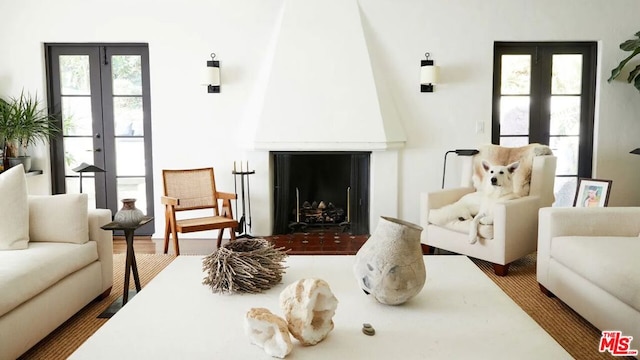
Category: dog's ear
<point>485,165</point>
<point>513,166</point>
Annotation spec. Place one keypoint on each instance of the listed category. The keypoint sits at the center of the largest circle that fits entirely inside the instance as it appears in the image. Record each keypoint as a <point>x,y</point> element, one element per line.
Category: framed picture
<point>592,193</point>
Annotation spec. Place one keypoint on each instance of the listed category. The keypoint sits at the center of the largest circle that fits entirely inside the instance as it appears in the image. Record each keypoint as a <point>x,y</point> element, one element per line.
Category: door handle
<point>98,136</point>
<point>98,150</point>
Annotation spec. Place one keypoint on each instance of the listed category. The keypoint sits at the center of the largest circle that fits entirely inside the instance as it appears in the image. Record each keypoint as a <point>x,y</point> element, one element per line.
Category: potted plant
<point>632,45</point>
<point>24,122</point>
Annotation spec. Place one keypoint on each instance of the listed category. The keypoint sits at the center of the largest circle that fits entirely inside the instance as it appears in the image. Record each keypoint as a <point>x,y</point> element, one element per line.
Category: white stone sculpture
<point>389,266</point>
<point>268,331</point>
<point>309,306</point>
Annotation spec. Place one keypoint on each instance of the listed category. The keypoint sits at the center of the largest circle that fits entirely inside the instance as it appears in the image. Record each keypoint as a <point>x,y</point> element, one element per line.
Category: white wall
<point>193,128</point>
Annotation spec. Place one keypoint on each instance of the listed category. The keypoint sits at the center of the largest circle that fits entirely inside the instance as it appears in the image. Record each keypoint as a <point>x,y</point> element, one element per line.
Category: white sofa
<point>63,262</point>
<point>588,258</point>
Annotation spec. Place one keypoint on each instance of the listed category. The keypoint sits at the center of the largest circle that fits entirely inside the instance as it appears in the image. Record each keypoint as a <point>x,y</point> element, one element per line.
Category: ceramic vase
<point>389,266</point>
<point>129,215</point>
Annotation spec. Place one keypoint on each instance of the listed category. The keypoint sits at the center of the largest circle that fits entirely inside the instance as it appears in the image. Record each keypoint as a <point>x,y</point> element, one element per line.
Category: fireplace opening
<point>321,192</point>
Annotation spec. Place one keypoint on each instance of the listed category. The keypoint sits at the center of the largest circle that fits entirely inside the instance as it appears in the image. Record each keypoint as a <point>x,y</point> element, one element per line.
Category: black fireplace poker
<point>245,199</point>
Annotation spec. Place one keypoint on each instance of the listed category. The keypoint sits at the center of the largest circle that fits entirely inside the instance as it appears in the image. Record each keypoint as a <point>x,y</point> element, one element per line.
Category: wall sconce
<point>428,74</point>
<point>212,75</point>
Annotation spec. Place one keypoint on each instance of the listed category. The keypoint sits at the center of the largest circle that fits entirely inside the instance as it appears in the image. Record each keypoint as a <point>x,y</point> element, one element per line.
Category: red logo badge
<point>617,344</point>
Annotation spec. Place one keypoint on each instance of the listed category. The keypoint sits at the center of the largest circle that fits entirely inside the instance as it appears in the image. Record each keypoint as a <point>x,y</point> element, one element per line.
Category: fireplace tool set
<point>242,176</point>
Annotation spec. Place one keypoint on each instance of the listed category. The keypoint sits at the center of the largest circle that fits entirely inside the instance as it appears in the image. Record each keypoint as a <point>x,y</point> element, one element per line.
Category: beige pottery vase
<point>129,215</point>
<point>389,266</point>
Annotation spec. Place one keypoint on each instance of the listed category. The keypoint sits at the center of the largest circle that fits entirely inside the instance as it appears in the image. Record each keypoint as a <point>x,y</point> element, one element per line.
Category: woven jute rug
<point>570,330</point>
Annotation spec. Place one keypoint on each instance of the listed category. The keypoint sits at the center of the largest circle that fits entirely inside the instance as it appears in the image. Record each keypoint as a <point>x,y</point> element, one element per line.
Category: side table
<point>130,264</point>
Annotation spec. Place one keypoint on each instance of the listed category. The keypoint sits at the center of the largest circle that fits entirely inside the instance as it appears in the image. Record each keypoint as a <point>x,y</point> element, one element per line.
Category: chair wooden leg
<point>167,232</point>
<point>176,246</point>
<point>501,270</point>
<point>220,232</point>
<point>426,249</point>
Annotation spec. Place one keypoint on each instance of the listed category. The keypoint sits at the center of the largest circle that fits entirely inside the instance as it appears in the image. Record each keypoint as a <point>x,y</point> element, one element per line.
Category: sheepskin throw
<point>500,155</point>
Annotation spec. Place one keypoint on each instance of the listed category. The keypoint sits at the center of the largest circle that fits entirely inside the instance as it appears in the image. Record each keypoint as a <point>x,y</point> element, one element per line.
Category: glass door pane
<point>76,110</point>
<point>128,123</point>
<point>515,94</point>
<point>564,122</point>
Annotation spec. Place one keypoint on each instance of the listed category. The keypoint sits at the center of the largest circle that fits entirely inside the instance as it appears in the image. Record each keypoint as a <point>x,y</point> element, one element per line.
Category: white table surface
<point>459,314</point>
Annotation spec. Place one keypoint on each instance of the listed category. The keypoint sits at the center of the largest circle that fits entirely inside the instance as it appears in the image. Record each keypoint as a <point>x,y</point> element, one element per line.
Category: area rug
<point>570,330</point>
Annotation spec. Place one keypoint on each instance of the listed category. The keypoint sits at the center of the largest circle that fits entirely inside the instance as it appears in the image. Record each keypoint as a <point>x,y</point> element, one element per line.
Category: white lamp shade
<point>211,76</point>
<point>429,74</point>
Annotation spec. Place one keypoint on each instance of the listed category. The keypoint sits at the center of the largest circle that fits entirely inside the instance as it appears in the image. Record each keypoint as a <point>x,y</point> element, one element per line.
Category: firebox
<point>321,191</point>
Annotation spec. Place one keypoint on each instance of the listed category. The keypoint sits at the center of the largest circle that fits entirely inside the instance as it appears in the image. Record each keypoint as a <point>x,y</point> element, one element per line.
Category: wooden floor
<point>299,243</point>
<point>295,244</point>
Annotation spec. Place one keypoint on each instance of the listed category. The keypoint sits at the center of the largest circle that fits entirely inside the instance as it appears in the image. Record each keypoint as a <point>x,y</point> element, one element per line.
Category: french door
<point>545,93</point>
<point>101,92</point>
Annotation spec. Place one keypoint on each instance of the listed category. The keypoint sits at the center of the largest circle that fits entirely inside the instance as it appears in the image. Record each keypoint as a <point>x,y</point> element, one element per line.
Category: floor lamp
<point>459,152</point>
<point>86,168</point>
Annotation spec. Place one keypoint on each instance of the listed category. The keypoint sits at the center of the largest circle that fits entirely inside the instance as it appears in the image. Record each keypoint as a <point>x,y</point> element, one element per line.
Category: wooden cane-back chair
<point>195,189</point>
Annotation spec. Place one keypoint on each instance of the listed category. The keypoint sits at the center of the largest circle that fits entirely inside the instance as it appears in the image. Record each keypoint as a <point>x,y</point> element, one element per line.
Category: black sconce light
<point>212,76</point>
<point>428,74</point>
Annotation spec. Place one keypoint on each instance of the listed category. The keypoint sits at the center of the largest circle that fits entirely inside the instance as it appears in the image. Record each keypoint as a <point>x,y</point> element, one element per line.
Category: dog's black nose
<point>493,181</point>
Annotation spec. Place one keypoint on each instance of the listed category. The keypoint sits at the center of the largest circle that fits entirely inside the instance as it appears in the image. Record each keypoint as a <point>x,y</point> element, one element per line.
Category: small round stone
<point>367,329</point>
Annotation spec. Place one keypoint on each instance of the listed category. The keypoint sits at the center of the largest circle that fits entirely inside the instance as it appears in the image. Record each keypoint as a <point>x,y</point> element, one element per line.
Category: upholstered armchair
<point>514,231</point>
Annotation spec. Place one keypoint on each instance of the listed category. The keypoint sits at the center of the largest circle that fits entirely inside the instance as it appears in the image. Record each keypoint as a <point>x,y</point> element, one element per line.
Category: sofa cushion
<point>610,262</point>
<point>26,273</point>
<point>59,218</point>
<point>14,210</point>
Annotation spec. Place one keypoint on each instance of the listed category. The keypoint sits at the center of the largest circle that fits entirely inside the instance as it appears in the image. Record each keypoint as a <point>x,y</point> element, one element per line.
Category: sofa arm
<point>440,198</point>
<point>516,226</point>
<point>557,222</point>
<point>612,221</point>
<point>104,240</point>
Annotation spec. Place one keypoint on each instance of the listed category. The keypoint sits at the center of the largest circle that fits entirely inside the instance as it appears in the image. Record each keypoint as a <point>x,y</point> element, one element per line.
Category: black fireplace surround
<point>323,180</point>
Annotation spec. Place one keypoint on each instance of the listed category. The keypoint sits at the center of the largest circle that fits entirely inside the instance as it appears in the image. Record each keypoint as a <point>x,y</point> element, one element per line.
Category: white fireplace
<point>322,93</point>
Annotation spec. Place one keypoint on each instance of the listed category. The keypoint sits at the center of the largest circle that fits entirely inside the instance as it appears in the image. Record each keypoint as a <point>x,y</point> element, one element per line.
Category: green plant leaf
<point>24,121</point>
<point>630,45</point>
<point>637,83</point>
<point>616,72</point>
<point>633,74</point>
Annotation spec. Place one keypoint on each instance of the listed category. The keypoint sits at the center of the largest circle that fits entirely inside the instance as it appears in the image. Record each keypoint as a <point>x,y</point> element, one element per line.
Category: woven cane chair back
<point>196,188</point>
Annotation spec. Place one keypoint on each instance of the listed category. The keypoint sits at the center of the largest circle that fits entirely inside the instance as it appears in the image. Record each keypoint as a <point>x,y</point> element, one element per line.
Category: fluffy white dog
<point>497,187</point>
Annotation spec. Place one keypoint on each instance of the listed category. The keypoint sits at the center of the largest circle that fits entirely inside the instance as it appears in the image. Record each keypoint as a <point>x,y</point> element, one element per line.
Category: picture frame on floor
<point>592,193</point>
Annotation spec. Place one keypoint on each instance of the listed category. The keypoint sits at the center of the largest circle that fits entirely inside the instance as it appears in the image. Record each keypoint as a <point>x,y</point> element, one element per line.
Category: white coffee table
<point>460,314</point>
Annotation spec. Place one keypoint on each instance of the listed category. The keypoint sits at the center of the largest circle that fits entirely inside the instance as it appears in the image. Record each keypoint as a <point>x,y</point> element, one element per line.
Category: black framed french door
<point>101,93</point>
<point>544,92</point>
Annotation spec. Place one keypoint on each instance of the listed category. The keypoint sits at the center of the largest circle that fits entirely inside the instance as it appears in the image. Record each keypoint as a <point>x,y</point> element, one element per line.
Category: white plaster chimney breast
<point>321,91</point>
